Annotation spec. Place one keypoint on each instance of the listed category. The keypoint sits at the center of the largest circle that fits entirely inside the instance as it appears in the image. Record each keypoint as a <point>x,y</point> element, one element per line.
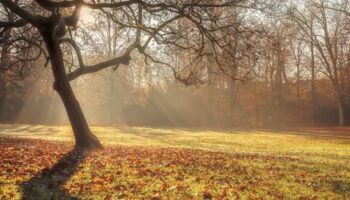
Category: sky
<point>86,15</point>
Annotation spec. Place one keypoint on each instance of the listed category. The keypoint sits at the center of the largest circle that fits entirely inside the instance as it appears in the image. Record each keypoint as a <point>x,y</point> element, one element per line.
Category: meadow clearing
<point>37,162</point>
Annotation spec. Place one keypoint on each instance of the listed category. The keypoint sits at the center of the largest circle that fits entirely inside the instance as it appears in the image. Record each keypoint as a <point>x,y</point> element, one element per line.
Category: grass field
<point>160,163</point>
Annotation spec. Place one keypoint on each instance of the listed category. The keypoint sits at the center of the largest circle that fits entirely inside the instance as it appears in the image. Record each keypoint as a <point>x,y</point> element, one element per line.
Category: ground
<point>38,162</point>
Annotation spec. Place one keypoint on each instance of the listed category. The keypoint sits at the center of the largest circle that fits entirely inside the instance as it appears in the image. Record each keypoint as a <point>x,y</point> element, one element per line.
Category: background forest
<point>288,66</point>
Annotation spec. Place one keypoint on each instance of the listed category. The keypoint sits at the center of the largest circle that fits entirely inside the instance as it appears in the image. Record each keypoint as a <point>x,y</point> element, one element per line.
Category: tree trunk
<point>341,113</point>
<point>3,64</point>
<point>232,100</point>
<point>2,96</point>
<point>84,139</point>
<point>313,85</point>
<point>232,85</point>
<point>340,105</point>
<point>298,81</point>
<point>279,86</point>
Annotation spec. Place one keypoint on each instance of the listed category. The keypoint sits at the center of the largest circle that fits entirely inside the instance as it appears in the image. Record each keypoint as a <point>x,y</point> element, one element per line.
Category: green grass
<point>243,164</point>
<point>309,143</point>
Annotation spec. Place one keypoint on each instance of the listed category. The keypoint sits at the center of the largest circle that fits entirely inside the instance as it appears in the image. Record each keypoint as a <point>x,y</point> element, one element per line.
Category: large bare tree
<point>324,31</point>
<point>148,23</point>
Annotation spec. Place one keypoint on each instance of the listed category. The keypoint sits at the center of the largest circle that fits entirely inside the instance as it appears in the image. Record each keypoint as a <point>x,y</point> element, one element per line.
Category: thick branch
<point>18,23</point>
<point>50,5</point>
<point>123,59</point>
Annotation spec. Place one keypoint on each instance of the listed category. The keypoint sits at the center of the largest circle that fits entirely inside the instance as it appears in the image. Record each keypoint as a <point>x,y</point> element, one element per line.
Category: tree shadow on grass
<point>49,184</point>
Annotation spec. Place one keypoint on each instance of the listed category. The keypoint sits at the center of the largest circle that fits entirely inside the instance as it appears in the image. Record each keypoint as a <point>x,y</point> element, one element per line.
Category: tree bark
<point>84,139</point>
<point>278,89</point>
<point>340,105</point>
<point>3,64</point>
<point>313,77</point>
<point>341,112</point>
<point>2,96</point>
<point>232,100</point>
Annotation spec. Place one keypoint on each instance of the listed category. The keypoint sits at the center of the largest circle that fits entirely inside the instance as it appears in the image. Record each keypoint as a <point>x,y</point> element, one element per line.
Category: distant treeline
<point>254,105</point>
